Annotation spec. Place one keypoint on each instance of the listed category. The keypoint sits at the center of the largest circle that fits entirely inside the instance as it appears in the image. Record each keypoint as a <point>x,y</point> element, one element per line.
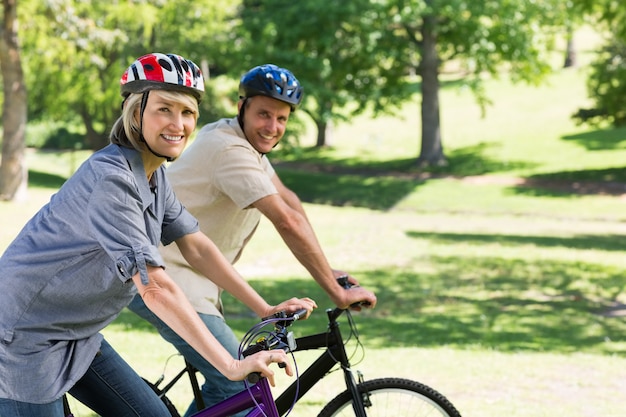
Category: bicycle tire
<point>170,406</point>
<point>393,397</point>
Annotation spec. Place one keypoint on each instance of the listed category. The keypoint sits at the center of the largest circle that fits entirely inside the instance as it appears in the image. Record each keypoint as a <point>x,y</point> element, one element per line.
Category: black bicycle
<point>391,397</point>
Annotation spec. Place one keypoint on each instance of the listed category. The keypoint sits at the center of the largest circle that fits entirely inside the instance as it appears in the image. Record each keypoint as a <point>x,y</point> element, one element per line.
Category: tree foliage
<point>76,52</point>
<point>606,83</point>
<point>351,56</point>
<point>364,51</point>
<point>607,87</point>
<point>332,47</point>
<point>478,39</point>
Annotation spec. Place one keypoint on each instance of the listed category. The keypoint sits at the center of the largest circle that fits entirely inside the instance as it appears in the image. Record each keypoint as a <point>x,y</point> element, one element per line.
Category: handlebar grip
<point>299,314</point>
<point>361,304</point>
<point>252,350</point>
<point>254,377</point>
<point>343,281</point>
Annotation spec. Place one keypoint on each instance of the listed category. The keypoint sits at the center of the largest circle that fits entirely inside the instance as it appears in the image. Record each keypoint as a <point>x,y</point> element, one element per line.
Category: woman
<point>78,262</point>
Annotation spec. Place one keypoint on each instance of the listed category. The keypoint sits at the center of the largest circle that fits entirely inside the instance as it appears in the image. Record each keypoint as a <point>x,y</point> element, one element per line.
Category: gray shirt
<point>68,273</point>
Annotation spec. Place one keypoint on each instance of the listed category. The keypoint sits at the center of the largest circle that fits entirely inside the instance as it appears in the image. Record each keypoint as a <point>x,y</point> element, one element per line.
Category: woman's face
<point>167,124</point>
<point>264,122</point>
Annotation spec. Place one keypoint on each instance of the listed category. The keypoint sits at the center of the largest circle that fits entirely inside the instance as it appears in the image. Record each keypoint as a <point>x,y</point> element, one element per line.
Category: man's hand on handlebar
<point>353,297</point>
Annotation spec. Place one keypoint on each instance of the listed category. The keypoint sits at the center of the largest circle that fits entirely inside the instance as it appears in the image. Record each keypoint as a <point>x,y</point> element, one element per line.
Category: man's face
<point>264,122</point>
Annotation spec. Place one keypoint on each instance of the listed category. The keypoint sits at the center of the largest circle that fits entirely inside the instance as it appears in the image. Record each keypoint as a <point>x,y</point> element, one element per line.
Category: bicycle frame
<point>259,396</point>
<point>335,352</point>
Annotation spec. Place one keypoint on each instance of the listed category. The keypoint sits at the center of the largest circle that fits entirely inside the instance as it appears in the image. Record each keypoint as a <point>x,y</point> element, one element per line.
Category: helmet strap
<point>240,114</point>
<point>144,102</point>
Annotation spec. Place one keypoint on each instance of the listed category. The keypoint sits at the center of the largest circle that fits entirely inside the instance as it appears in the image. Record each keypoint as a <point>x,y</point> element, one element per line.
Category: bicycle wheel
<point>393,397</point>
<point>166,401</point>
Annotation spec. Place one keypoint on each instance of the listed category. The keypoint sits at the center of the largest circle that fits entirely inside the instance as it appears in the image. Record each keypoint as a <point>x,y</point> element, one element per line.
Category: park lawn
<point>501,293</point>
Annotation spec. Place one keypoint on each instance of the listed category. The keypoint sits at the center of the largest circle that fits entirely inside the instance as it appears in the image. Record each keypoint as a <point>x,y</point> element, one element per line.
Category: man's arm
<point>205,257</point>
<point>287,214</point>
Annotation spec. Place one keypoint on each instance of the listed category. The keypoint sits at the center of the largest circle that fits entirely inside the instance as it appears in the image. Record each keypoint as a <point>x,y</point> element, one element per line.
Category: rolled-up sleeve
<point>118,222</point>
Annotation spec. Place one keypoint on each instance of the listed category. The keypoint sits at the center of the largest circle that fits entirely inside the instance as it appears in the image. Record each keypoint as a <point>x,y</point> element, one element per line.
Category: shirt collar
<point>136,166</point>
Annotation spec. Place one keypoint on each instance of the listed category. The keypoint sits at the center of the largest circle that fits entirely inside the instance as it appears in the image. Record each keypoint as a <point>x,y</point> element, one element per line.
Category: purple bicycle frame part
<point>263,407</point>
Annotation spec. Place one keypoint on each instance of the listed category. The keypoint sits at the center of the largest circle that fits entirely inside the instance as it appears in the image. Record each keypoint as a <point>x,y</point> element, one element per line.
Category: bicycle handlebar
<point>343,281</point>
<point>280,338</point>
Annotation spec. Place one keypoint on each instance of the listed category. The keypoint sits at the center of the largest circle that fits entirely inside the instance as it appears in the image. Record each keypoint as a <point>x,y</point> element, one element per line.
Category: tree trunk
<point>570,52</point>
<point>95,140</point>
<point>431,152</point>
<point>324,124</point>
<point>13,171</point>
<point>324,133</point>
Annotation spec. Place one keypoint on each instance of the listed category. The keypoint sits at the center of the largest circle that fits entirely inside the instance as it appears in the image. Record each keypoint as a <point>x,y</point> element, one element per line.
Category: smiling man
<point>225,179</point>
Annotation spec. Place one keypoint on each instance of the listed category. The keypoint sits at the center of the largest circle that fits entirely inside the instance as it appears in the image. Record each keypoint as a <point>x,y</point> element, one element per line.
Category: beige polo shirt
<point>217,178</point>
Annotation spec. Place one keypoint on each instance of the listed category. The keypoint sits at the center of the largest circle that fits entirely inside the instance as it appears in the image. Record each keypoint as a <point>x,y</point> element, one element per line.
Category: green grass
<point>492,287</point>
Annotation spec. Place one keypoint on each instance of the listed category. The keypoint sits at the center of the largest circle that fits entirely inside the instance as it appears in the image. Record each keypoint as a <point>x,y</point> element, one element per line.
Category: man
<point>226,181</point>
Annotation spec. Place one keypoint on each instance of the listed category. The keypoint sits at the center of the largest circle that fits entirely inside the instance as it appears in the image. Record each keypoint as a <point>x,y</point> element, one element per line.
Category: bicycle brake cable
<point>254,333</point>
<point>353,333</point>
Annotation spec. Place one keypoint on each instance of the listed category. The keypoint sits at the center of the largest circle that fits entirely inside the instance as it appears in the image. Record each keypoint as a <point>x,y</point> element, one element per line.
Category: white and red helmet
<point>158,71</point>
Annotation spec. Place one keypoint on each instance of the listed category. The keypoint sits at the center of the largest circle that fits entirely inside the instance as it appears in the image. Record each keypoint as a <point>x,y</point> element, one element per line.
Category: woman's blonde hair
<point>126,130</point>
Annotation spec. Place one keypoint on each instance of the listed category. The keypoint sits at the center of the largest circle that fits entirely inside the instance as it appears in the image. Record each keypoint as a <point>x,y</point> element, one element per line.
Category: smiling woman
<point>168,121</point>
<point>81,259</point>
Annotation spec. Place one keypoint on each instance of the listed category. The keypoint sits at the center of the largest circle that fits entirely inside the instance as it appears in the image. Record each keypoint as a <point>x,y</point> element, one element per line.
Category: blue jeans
<point>110,388</point>
<point>216,386</point>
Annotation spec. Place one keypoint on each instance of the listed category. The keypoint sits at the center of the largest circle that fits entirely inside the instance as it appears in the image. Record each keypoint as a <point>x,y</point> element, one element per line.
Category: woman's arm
<point>168,302</point>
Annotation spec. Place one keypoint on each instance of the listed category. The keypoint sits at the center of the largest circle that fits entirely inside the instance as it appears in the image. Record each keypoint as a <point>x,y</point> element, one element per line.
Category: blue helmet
<point>272,81</point>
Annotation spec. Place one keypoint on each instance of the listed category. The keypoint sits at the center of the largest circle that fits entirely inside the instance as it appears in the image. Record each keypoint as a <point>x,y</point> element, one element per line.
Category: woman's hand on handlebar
<point>260,362</point>
<point>293,305</point>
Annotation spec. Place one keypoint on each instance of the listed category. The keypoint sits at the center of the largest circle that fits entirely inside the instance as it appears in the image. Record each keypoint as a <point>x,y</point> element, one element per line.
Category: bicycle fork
<point>359,400</point>
<point>335,353</point>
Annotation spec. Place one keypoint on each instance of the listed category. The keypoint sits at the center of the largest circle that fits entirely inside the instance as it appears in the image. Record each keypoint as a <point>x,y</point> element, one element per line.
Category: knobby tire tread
<point>391,383</point>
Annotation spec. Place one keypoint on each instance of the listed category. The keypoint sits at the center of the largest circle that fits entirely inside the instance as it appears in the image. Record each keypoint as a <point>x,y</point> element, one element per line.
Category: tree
<point>365,50</point>
<point>77,50</point>
<point>482,37</point>
<point>605,84</point>
<point>13,172</point>
<point>331,46</point>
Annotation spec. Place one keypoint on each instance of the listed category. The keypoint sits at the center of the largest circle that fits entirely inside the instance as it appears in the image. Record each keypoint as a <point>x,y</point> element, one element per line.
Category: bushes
<point>52,135</point>
<point>607,87</point>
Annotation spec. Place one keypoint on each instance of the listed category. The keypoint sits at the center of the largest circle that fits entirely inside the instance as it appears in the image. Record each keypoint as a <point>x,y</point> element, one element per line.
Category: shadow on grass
<point>598,242</point>
<point>601,139</point>
<point>472,160</point>
<point>379,185</point>
<point>610,182</point>
<point>374,192</point>
<point>488,303</point>
<point>467,302</point>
